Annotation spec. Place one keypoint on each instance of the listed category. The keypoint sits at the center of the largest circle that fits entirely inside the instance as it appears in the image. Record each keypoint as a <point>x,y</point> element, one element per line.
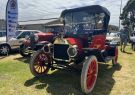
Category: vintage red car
<point>83,41</point>
<point>34,42</point>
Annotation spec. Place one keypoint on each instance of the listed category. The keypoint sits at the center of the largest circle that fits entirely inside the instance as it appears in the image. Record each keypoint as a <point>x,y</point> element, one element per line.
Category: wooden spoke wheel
<point>89,74</point>
<point>40,63</point>
<point>115,59</point>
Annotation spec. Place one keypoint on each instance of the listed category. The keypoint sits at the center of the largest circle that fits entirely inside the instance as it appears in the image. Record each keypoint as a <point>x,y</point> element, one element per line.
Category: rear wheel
<point>115,59</point>
<point>89,74</point>
<point>24,51</point>
<point>133,47</point>
<point>40,63</point>
<point>4,50</point>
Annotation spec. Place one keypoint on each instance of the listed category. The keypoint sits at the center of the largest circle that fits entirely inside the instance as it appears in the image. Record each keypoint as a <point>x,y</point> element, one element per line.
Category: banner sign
<point>11,18</point>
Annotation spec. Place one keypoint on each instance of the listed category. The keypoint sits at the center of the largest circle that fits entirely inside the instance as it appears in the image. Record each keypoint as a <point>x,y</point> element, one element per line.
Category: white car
<point>14,43</point>
<point>113,38</point>
<point>132,40</point>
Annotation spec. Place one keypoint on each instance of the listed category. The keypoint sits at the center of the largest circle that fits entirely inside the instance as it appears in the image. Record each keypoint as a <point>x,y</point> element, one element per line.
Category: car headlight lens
<point>47,48</point>
<point>72,51</point>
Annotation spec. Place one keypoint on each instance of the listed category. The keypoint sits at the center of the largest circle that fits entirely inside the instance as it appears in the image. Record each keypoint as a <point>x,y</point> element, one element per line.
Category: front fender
<point>43,42</point>
<point>40,45</point>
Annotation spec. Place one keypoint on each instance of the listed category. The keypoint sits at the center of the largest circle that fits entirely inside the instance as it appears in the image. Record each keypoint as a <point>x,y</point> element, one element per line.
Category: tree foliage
<point>128,14</point>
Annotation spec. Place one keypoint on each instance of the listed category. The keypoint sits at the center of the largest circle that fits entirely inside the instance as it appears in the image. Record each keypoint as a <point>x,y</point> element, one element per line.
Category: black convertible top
<point>92,9</point>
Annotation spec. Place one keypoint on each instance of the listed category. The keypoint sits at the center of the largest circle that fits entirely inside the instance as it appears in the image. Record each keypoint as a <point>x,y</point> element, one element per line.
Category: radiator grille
<point>60,51</point>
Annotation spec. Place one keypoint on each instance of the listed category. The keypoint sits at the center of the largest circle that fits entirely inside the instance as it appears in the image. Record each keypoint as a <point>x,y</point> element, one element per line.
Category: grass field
<point>16,79</point>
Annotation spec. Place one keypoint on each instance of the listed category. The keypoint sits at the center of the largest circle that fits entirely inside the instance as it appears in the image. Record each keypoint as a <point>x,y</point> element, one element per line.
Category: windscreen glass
<point>79,22</point>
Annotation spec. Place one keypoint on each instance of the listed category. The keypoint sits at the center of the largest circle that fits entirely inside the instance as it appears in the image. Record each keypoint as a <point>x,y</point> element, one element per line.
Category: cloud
<point>41,9</point>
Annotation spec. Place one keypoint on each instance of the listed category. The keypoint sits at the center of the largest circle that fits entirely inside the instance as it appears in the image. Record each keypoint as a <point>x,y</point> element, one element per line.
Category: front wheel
<point>40,63</point>
<point>4,49</point>
<point>115,59</point>
<point>89,74</point>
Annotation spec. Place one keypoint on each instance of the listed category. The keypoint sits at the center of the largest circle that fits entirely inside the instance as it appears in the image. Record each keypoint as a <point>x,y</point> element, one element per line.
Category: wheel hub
<point>42,59</point>
<point>4,50</point>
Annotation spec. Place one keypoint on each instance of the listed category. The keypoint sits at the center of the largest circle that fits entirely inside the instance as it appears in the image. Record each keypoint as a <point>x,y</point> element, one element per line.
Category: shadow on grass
<point>67,83</point>
<point>13,53</point>
<point>2,57</point>
<point>26,60</point>
<point>130,53</point>
<point>105,81</point>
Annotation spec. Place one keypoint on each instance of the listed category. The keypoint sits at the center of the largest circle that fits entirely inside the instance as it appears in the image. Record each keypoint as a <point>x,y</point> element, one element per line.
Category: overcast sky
<point>42,9</point>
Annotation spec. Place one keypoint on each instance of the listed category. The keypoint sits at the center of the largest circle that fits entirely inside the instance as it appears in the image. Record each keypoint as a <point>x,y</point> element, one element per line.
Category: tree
<point>128,14</point>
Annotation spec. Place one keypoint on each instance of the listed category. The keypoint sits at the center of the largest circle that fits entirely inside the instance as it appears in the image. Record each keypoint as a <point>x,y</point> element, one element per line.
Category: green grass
<point>16,79</point>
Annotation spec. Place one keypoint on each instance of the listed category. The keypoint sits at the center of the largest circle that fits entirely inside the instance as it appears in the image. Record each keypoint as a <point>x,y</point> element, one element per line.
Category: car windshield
<point>17,33</point>
<point>23,33</point>
<point>77,22</point>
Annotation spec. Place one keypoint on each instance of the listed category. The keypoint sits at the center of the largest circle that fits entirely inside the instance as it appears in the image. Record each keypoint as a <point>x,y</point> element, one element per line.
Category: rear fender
<point>111,50</point>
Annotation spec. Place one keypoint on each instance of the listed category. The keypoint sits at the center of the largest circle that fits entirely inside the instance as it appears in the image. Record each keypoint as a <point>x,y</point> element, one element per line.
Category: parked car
<point>132,41</point>
<point>37,41</point>
<point>83,43</point>
<point>113,37</point>
<point>14,43</point>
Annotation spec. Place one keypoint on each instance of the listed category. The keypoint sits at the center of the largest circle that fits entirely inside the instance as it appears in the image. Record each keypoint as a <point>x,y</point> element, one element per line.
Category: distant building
<point>39,25</point>
<point>42,24</point>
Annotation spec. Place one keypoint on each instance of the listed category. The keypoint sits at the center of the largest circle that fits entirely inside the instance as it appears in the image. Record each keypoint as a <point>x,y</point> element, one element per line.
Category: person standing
<point>124,37</point>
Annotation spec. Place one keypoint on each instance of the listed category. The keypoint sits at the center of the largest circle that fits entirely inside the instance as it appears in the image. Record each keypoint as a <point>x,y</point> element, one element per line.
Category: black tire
<point>4,49</point>
<point>133,47</point>
<point>40,61</point>
<point>89,74</point>
<point>23,51</point>
<point>115,59</point>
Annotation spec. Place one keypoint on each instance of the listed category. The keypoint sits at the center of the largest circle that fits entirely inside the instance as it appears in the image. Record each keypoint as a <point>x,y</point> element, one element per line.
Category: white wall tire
<point>89,74</point>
